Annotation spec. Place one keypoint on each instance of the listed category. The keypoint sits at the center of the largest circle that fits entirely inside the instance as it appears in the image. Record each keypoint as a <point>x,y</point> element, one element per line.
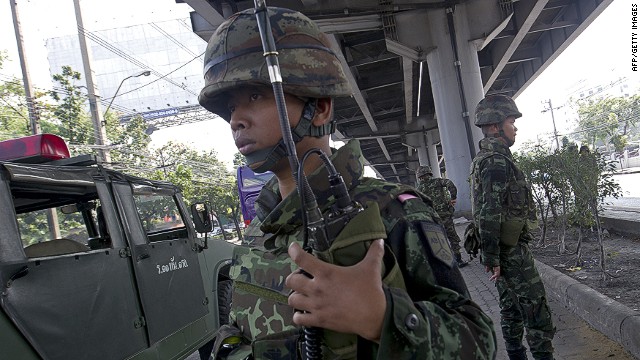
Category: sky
<point>601,54</point>
<point>44,19</point>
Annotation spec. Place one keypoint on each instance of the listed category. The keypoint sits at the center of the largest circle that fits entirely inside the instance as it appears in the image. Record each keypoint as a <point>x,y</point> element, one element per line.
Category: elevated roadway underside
<point>386,47</point>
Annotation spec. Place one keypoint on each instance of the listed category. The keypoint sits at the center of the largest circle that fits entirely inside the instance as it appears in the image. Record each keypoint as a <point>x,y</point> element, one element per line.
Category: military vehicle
<point>96,264</point>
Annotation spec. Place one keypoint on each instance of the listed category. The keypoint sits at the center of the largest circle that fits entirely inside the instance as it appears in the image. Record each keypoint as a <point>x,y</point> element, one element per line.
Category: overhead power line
<point>107,45</point>
<point>172,39</point>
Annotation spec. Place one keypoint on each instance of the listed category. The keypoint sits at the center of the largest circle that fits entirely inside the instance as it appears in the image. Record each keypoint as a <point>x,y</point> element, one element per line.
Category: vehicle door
<point>164,256</point>
<point>70,301</point>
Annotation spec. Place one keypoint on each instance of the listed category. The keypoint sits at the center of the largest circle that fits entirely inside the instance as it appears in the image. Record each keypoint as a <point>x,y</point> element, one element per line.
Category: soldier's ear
<point>324,111</point>
<point>493,129</point>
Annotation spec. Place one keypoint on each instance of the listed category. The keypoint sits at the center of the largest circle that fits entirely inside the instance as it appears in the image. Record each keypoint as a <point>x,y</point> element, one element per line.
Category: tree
<point>593,182</point>
<point>238,159</point>
<point>208,180</point>
<point>14,114</point>
<point>537,165</point>
<point>583,179</point>
<point>171,163</point>
<point>130,144</point>
<point>14,117</point>
<point>74,122</point>
<point>609,120</point>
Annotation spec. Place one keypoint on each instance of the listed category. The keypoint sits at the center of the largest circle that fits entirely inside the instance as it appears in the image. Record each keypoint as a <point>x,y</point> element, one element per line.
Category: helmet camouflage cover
<point>424,170</point>
<point>494,109</point>
<point>234,57</point>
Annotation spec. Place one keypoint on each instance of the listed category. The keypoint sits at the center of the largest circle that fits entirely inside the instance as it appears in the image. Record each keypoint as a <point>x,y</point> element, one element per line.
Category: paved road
<point>574,340</point>
<point>628,183</point>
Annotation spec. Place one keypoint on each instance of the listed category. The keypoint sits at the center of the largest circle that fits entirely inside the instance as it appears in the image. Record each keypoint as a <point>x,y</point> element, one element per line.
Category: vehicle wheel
<point>224,300</point>
<point>224,308</point>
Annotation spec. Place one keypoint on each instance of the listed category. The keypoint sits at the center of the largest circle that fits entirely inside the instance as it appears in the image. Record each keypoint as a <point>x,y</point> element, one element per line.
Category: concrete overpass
<point>419,67</point>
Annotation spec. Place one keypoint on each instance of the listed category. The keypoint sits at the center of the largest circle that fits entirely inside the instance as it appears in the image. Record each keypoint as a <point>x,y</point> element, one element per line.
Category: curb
<point>620,226</point>
<point>616,321</point>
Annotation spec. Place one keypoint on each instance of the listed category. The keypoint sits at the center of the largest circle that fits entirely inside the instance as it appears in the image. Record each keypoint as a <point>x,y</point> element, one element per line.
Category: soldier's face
<point>254,119</point>
<point>509,128</point>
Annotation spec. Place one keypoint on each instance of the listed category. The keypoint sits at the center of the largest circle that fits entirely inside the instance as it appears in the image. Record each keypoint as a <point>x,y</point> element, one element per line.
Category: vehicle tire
<point>225,288</point>
<point>224,308</point>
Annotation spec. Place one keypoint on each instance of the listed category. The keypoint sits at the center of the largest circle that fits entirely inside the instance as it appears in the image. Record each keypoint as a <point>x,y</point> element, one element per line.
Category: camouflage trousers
<point>454,239</point>
<point>523,303</point>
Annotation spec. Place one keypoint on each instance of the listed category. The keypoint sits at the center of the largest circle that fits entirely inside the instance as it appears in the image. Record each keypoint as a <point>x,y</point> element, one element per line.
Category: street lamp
<point>145,73</point>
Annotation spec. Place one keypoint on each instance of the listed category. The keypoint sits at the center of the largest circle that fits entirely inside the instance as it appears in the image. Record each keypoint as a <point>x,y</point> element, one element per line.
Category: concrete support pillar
<point>432,152</point>
<point>459,140</point>
<point>425,143</point>
<point>417,142</point>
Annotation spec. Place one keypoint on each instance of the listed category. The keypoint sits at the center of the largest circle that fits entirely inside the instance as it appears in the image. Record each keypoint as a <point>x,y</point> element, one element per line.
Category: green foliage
<point>545,177</point>
<point>206,179</point>
<point>130,144</point>
<point>75,123</point>
<point>238,159</point>
<point>34,226</point>
<point>13,114</point>
<point>608,121</point>
<point>200,175</point>
<point>584,180</point>
<point>538,167</point>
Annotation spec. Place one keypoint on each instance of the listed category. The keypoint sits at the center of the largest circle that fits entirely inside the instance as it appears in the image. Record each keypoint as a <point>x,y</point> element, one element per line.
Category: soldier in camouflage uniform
<point>401,298</point>
<point>443,193</point>
<point>504,213</point>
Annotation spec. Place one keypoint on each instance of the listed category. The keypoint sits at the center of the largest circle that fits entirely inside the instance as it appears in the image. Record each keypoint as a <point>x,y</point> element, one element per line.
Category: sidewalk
<point>574,306</point>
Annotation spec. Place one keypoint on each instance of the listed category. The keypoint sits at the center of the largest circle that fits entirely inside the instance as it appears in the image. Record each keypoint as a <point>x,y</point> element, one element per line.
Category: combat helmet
<point>424,170</point>
<point>494,109</point>
<point>234,57</point>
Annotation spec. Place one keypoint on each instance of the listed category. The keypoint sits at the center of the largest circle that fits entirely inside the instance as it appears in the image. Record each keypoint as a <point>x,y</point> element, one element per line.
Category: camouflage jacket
<point>501,197</point>
<point>433,318</point>
<point>441,192</point>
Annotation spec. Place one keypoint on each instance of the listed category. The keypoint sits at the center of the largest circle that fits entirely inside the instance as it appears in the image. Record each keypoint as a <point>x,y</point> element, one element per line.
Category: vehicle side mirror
<point>201,218</point>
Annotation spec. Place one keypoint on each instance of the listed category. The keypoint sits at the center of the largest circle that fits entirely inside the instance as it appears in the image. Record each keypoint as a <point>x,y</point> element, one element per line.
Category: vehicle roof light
<point>34,149</point>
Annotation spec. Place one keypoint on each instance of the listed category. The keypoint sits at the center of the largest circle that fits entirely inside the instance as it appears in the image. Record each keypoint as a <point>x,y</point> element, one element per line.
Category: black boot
<point>461,263</point>
<point>519,354</point>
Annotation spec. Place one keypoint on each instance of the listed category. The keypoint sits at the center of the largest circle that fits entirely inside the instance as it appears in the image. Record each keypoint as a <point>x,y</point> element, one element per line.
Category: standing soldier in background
<point>503,211</point>
<point>443,193</point>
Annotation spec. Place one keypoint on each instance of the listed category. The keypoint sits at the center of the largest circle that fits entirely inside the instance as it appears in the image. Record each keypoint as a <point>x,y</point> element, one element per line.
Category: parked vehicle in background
<point>216,231</point>
<point>249,186</point>
<point>95,263</point>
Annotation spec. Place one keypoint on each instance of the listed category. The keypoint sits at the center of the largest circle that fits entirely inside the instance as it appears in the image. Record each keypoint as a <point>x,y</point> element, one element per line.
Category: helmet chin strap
<point>501,134</point>
<point>504,137</point>
<point>270,156</point>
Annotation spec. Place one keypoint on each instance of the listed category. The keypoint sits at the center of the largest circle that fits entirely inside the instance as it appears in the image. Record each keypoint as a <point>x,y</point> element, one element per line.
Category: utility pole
<point>553,119</point>
<point>564,183</point>
<point>34,122</point>
<point>94,105</point>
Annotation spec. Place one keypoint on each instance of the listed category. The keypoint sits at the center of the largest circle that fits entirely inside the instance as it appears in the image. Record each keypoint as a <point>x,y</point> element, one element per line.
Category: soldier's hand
<point>495,272</point>
<point>345,299</point>
<point>453,202</point>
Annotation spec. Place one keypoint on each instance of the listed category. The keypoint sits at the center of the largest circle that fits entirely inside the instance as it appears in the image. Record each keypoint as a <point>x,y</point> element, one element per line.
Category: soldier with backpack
<point>504,213</point>
<point>397,298</point>
<point>443,193</point>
